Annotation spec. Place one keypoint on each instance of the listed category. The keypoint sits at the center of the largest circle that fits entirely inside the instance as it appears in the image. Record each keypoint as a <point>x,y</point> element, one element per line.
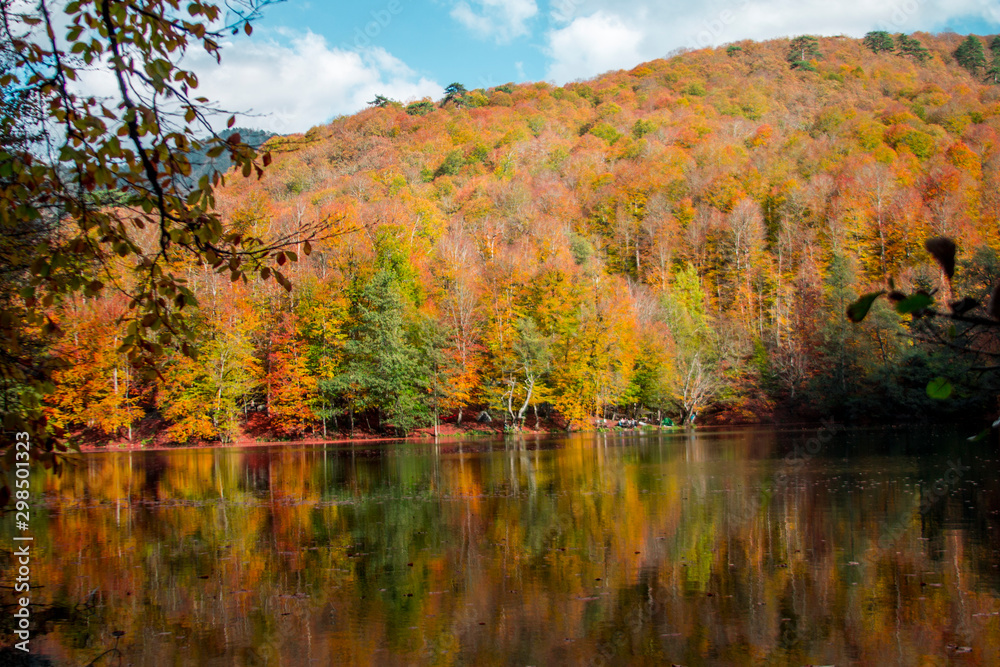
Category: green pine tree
<point>803,49</point>
<point>382,373</point>
<point>970,54</point>
<point>879,41</point>
<point>910,47</point>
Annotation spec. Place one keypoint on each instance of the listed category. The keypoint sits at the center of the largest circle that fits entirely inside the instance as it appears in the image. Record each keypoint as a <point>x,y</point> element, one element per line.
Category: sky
<point>309,61</point>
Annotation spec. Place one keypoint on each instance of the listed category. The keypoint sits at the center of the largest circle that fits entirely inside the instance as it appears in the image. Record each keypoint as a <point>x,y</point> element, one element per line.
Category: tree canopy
<point>95,196</point>
<point>970,54</point>
<point>880,41</point>
<point>684,236</point>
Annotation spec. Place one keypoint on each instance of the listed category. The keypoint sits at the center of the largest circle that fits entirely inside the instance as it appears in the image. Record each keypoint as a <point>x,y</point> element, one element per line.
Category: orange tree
<point>95,192</point>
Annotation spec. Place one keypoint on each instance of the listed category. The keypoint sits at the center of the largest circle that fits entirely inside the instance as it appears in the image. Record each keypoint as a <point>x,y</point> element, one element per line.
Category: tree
<point>699,361</point>
<point>993,73</point>
<point>910,47</point>
<point>291,388</point>
<point>455,92</point>
<point>970,54</point>
<point>381,368</point>
<point>533,354</point>
<point>967,325</point>
<point>421,108</point>
<point>381,101</point>
<point>61,147</point>
<point>879,41</point>
<point>803,49</point>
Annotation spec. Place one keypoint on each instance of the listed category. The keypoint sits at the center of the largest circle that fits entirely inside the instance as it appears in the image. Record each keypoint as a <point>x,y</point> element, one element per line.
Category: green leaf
<point>979,436</point>
<point>913,303</point>
<point>940,389</point>
<point>859,309</point>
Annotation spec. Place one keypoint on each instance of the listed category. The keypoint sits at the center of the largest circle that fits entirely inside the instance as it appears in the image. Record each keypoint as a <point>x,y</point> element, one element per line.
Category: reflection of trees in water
<point>609,550</point>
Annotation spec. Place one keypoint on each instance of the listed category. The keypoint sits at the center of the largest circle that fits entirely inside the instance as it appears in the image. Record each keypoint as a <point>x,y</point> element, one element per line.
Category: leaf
<point>940,389</point>
<point>230,123</point>
<point>859,309</point>
<point>246,28</point>
<point>914,303</point>
<point>979,436</point>
<point>943,250</point>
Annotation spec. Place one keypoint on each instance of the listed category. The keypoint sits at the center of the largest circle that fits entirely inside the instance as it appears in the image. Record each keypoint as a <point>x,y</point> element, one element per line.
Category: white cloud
<point>588,37</point>
<point>503,20</point>
<point>591,45</point>
<point>292,87</point>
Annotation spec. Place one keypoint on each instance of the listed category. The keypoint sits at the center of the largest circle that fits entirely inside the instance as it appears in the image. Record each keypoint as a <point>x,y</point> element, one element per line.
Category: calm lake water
<point>744,547</point>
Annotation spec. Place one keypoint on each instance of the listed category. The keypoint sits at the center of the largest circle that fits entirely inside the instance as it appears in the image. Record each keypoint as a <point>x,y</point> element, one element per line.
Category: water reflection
<point>742,547</point>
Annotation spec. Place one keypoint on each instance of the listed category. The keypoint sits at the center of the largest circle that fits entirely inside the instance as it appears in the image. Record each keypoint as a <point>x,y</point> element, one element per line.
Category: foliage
<point>969,327</point>
<point>803,49</point>
<point>456,94</point>
<point>381,363</point>
<point>879,41</point>
<point>608,247</point>
<point>993,73</point>
<point>970,54</point>
<point>381,101</point>
<point>421,108</point>
<point>61,147</point>
<point>911,47</point>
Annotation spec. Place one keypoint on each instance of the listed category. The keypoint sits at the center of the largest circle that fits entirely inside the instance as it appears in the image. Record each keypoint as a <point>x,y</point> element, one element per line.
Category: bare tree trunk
<point>530,384</point>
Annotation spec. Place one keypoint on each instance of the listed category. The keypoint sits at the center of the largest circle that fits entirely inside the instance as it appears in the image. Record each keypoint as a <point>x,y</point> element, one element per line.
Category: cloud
<point>503,20</point>
<point>293,86</point>
<point>588,37</point>
<point>592,44</point>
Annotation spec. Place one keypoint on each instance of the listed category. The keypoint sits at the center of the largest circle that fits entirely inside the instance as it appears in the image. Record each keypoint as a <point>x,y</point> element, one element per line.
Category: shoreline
<point>469,435</point>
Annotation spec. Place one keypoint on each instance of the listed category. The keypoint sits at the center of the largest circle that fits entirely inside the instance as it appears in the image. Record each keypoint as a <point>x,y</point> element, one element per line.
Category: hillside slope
<point>679,237</point>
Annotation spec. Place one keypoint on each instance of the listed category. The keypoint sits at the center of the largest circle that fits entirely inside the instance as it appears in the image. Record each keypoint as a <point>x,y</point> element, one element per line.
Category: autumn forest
<point>681,239</point>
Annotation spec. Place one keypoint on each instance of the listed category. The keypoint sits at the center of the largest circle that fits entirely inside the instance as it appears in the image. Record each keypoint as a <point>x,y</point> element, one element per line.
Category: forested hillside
<point>682,238</point>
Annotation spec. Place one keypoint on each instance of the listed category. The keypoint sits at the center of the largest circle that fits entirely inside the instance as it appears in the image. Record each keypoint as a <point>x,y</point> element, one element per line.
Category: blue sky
<point>310,60</point>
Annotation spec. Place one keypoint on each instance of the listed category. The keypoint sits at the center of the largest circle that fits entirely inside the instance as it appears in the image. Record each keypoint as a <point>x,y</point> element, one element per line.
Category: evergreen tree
<point>970,54</point>
<point>421,108</point>
<point>455,92</point>
<point>381,371</point>
<point>380,101</point>
<point>879,41</point>
<point>993,73</point>
<point>803,49</point>
<point>910,47</point>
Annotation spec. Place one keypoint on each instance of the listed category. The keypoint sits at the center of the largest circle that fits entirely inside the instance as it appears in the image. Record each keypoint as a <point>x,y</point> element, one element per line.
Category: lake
<point>756,546</point>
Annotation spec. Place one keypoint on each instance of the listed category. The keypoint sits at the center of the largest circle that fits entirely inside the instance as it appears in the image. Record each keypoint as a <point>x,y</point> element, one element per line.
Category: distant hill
<point>202,164</point>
